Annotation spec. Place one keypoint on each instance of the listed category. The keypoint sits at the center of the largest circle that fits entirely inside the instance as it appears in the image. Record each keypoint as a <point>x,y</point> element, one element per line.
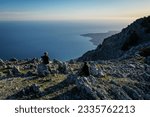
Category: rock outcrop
<point>116,46</point>
<point>43,70</point>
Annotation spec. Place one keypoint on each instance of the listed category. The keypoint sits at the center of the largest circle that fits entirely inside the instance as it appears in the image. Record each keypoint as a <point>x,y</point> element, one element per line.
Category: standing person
<point>45,58</point>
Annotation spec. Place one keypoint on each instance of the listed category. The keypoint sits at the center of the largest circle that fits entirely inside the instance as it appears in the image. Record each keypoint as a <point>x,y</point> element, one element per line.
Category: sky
<point>73,9</point>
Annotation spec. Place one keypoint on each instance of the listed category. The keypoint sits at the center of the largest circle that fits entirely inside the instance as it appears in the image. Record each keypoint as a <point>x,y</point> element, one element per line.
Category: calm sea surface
<point>61,39</point>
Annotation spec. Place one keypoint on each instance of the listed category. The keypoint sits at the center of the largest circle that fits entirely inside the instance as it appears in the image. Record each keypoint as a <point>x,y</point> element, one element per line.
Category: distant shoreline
<point>97,38</point>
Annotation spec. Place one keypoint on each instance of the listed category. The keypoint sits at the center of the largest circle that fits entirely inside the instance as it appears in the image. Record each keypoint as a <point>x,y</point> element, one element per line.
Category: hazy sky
<point>73,9</point>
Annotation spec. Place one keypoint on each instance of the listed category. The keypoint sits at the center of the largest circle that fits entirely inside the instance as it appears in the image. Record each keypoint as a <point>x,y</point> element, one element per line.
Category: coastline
<point>97,38</point>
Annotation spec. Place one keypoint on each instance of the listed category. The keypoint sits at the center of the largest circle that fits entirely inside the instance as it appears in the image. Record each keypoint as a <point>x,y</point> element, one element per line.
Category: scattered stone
<point>132,66</point>
<point>101,73</point>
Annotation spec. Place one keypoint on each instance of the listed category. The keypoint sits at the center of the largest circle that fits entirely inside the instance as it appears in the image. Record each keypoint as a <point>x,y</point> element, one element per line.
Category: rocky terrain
<point>119,70</point>
<point>131,39</point>
<point>113,79</point>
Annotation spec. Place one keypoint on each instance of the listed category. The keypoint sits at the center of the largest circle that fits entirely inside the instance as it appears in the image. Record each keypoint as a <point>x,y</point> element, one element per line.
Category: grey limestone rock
<point>71,79</point>
<point>63,68</point>
<point>43,70</point>
<point>132,93</point>
<point>95,71</point>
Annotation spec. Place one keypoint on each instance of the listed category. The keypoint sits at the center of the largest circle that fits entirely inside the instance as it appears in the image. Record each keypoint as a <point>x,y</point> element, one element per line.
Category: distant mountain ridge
<point>130,40</point>
<point>97,38</point>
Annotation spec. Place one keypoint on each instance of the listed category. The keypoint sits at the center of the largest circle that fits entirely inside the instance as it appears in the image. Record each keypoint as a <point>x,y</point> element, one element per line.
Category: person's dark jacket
<point>45,59</point>
<point>84,70</point>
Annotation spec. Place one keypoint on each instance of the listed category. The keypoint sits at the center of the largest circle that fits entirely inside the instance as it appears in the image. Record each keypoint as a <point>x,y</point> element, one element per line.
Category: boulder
<point>33,89</point>
<point>95,71</point>
<point>84,85</point>
<point>132,66</point>
<point>43,70</point>
<point>101,73</point>
<point>71,79</point>
<point>63,68</point>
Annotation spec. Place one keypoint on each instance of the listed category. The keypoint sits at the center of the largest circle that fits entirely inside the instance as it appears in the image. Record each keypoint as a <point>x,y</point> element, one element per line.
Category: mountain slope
<point>136,34</point>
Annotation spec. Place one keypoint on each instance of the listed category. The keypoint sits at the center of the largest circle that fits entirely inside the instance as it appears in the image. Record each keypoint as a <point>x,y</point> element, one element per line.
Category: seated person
<point>84,70</point>
<point>45,58</point>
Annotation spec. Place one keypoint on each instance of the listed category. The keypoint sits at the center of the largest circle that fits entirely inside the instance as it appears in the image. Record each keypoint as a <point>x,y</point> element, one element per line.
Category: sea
<point>61,39</point>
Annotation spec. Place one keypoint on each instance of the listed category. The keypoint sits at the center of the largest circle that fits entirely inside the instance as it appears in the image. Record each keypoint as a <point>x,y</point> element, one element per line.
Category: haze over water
<point>60,38</point>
